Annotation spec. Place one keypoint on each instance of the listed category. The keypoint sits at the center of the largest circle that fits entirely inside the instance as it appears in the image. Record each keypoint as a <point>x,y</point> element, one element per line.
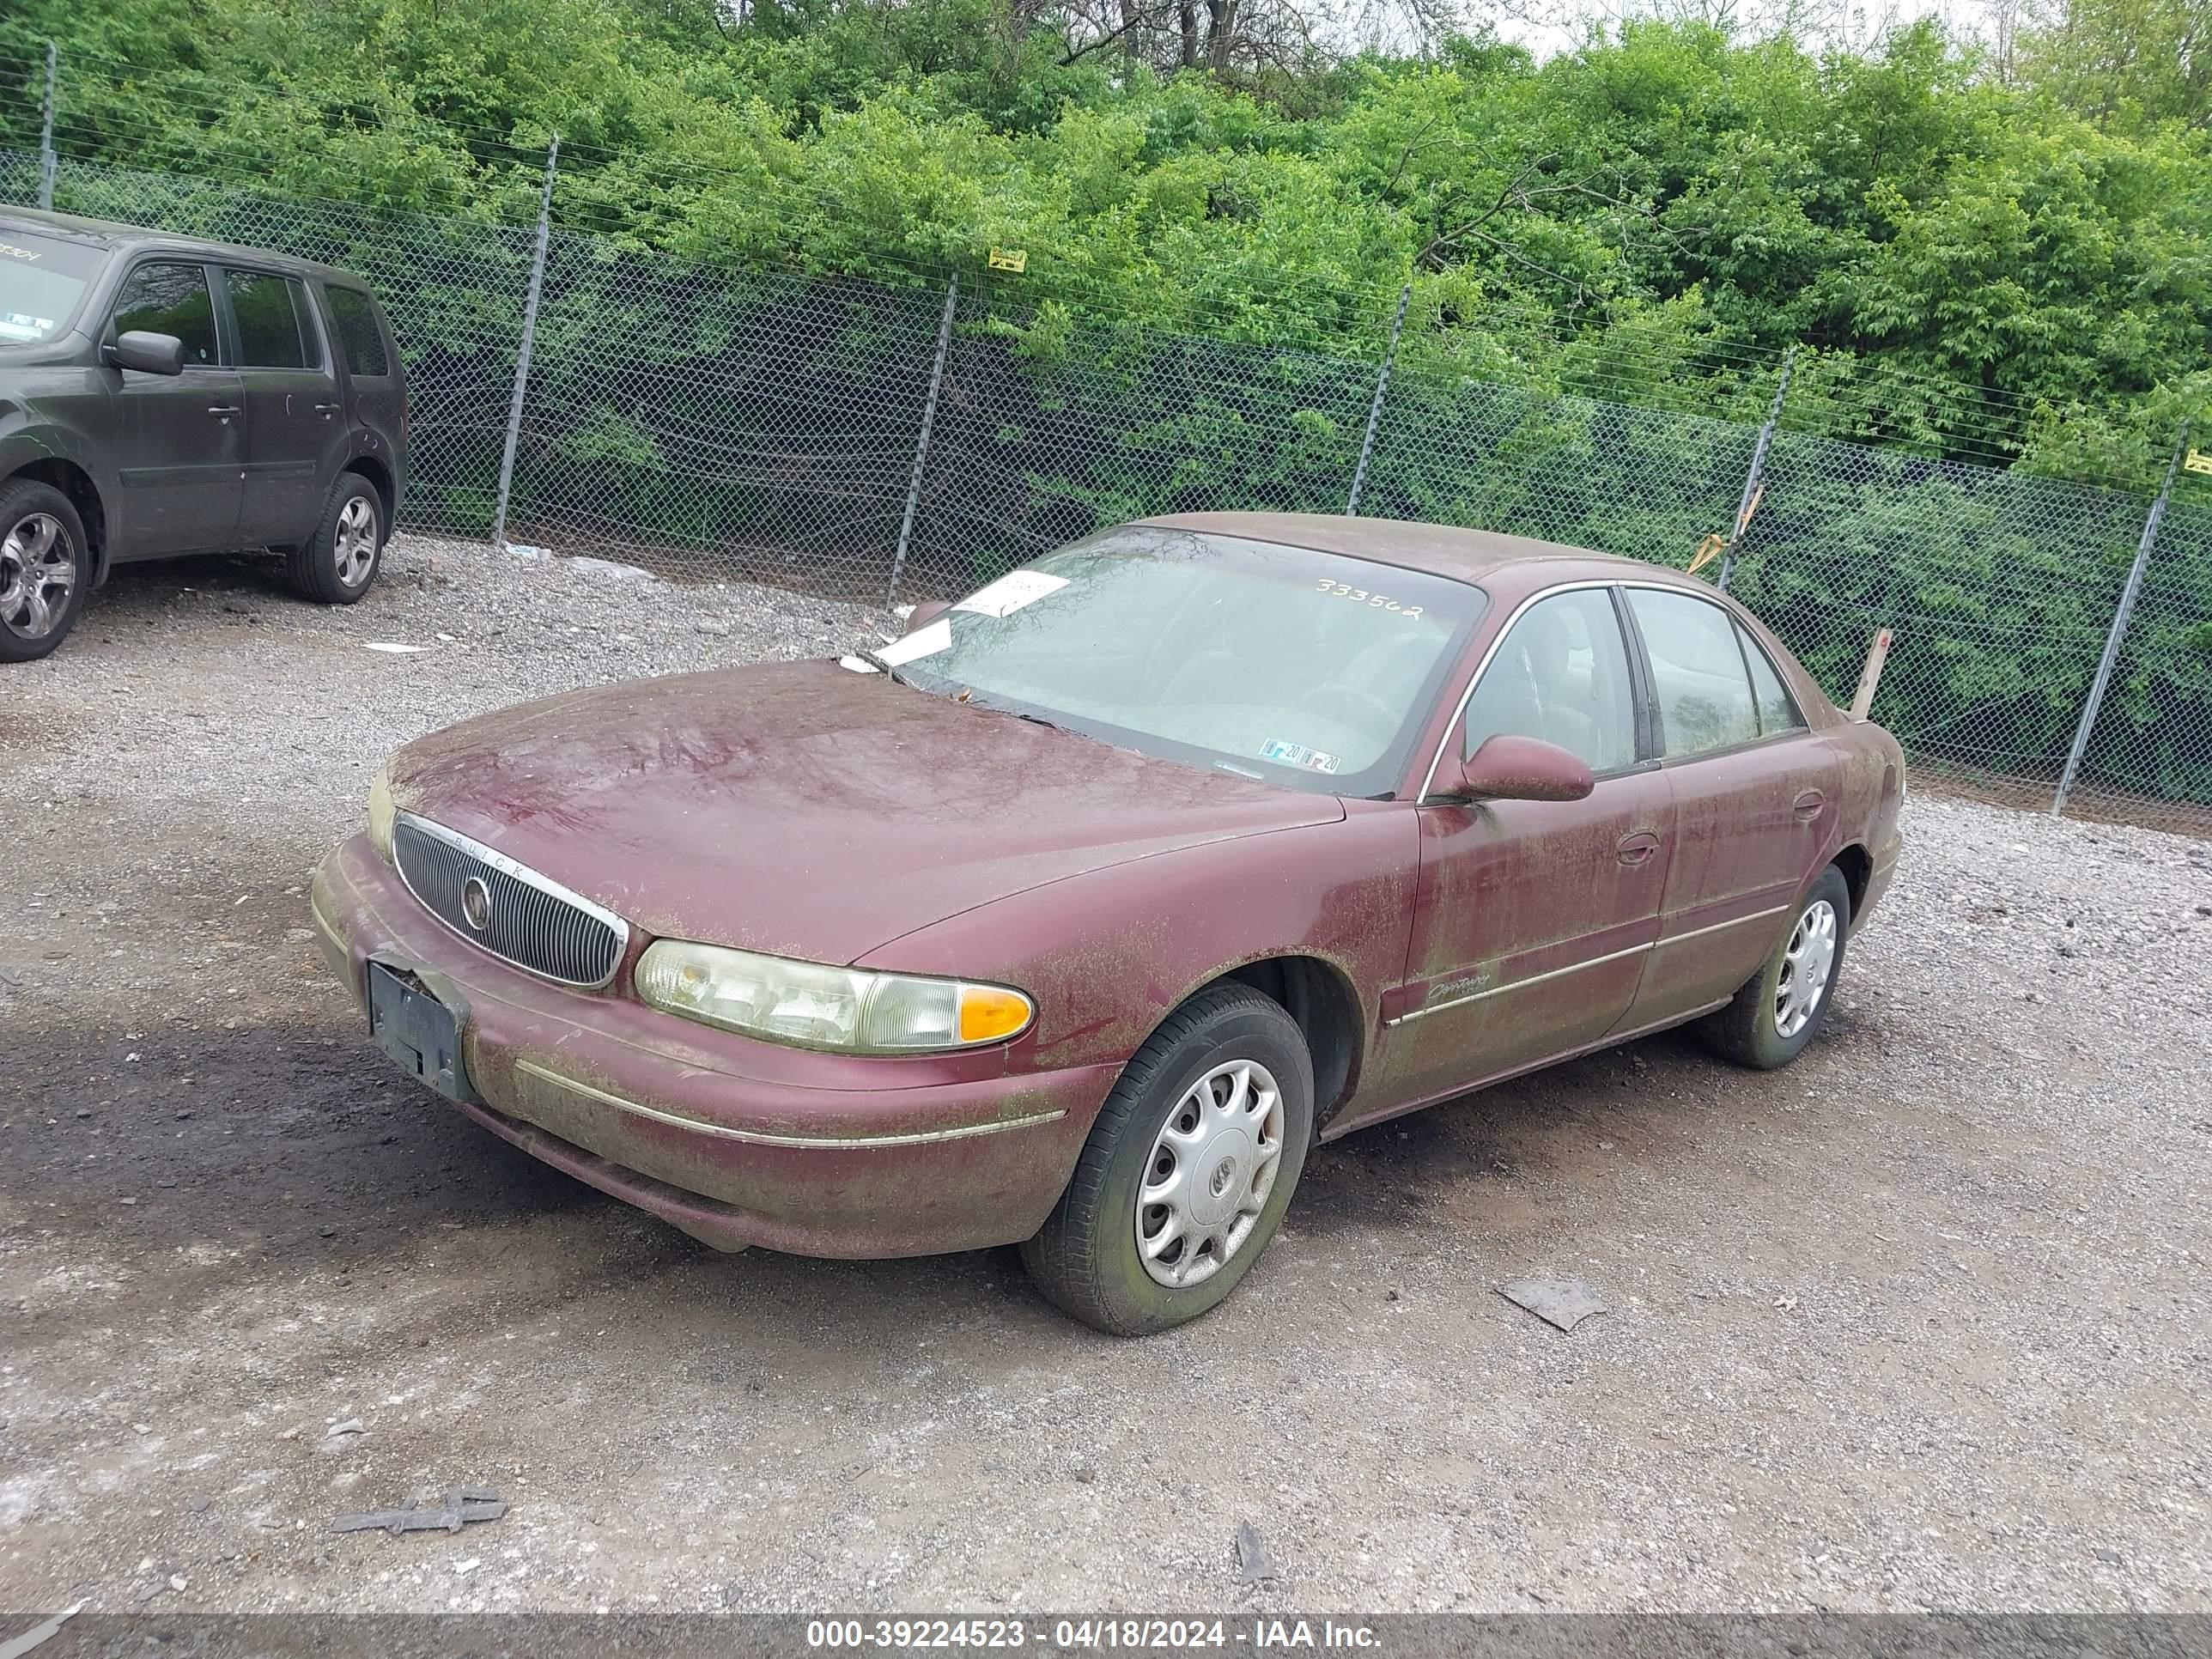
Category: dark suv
<point>162,395</point>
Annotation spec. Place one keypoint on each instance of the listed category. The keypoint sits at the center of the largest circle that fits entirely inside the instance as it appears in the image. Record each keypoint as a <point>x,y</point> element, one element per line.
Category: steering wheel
<point>1333,700</point>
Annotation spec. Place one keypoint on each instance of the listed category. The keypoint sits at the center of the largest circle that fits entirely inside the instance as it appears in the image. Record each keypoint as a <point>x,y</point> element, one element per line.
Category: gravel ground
<point>1920,1323</point>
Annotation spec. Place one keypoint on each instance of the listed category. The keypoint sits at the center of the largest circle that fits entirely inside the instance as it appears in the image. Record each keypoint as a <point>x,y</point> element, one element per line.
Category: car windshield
<point>41,280</point>
<point>1300,667</point>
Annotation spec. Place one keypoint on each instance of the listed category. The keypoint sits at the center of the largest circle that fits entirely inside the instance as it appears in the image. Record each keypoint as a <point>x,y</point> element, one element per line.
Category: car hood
<point>808,810</point>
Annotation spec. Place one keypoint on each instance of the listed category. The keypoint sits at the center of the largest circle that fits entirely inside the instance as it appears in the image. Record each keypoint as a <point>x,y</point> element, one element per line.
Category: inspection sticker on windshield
<point>1297,754</point>
<point>1009,593</point>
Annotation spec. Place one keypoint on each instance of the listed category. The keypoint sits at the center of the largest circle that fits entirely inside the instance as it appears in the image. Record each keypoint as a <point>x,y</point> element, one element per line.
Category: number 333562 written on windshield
<point>1361,596</point>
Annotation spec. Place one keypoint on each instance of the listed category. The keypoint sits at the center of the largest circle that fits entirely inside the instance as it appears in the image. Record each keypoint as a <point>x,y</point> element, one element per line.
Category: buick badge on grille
<point>476,904</point>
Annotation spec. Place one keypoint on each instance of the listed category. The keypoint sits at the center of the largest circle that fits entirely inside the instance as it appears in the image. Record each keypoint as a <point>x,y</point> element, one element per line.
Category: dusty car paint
<point>806,810</point>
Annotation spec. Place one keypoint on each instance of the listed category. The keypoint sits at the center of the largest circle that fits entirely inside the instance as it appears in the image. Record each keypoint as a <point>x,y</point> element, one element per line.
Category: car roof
<point>1511,570</point>
<point>1440,549</point>
<point>108,233</point>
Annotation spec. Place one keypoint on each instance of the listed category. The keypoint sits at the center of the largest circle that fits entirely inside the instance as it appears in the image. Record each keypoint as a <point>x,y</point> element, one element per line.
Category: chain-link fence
<point>877,441</point>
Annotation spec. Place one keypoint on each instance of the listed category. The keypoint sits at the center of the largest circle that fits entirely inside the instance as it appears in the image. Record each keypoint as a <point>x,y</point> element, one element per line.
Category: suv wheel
<point>44,571</point>
<point>336,565</point>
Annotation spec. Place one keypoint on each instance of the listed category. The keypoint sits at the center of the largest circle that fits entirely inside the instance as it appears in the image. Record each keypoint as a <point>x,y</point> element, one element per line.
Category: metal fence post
<point>1375,406</point>
<point>2119,631</point>
<point>529,338</point>
<point>921,444</point>
<point>1757,475</point>
<point>47,160</point>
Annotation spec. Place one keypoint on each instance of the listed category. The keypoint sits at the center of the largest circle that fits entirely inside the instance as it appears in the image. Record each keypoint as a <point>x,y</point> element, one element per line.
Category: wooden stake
<point>1870,676</point>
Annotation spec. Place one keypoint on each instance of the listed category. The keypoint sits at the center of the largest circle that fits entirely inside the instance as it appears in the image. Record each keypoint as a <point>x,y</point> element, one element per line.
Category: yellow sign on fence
<point>2196,461</point>
<point>1016,260</point>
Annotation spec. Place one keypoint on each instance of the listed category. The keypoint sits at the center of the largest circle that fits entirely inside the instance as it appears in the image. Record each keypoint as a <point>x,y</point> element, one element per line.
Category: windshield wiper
<point>875,660</point>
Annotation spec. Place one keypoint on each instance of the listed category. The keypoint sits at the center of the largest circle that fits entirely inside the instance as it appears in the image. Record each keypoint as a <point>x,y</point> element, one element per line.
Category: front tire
<point>336,565</point>
<point>1187,1170</point>
<point>45,569</point>
<point>1781,1008</point>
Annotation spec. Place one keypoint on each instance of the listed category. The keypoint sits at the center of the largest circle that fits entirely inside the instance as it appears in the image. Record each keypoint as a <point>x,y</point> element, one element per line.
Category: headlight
<point>380,812</point>
<point>816,1007</point>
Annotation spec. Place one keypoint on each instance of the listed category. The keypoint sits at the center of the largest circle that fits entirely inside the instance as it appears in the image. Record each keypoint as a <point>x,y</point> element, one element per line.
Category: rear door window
<point>272,333</point>
<point>162,298</point>
<point>1777,709</point>
<point>361,342</point>
<point>1697,670</point>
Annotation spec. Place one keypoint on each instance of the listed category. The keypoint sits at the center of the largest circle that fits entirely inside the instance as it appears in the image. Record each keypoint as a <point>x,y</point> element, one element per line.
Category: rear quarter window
<point>361,338</point>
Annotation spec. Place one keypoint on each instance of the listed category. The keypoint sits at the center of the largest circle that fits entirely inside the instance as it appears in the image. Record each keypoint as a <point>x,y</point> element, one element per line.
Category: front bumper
<point>735,1141</point>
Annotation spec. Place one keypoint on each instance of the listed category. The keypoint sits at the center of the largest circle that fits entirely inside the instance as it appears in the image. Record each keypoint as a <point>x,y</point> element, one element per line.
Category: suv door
<point>295,437</point>
<point>1753,799</point>
<point>1532,919</point>
<point>177,441</point>
<point>375,393</point>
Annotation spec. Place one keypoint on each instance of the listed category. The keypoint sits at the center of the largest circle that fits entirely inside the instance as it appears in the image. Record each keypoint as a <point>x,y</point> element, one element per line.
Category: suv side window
<point>361,342</point>
<point>170,299</point>
<point>1560,674</point>
<point>1777,709</point>
<point>1697,670</point>
<point>272,332</point>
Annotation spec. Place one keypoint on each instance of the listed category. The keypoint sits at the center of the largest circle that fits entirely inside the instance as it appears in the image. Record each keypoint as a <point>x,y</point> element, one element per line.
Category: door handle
<point>1637,848</point>
<point>223,411</point>
<point>327,409</point>
<point>1808,804</point>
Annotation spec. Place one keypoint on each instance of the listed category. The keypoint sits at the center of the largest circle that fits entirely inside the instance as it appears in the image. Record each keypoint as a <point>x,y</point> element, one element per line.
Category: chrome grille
<point>528,920</point>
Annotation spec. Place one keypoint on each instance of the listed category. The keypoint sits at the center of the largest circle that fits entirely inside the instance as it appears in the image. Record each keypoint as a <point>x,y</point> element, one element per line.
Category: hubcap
<point>1806,966</point>
<point>355,541</point>
<point>1212,1169</point>
<point>37,572</point>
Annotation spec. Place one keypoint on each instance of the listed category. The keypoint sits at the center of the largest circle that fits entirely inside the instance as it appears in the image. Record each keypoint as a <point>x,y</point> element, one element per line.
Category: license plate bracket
<point>421,1034</point>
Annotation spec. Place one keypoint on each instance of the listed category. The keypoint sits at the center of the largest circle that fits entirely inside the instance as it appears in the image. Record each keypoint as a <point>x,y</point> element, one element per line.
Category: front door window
<point>171,299</point>
<point>1561,674</point>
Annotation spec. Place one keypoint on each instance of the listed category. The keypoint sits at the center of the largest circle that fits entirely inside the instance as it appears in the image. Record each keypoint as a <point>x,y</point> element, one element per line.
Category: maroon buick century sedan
<point>1075,916</point>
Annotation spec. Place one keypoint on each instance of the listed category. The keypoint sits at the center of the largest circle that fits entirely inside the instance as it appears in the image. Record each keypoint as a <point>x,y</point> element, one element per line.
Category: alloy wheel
<point>355,542</point>
<point>38,572</point>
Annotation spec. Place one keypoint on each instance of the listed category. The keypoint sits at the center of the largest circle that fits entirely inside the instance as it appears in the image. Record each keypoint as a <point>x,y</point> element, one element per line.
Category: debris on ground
<point>391,648</point>
<point>1254,1565</point>
<point>1564,1303</point>
<point>608,570</point>
<point>15,1646</point>
<point>351,1425</point>
<point>461,1506</point>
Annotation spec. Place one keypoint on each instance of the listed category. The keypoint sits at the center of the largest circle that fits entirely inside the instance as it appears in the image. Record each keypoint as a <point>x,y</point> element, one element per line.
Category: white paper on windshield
<point>1009,593</point>
<point>922,642</point>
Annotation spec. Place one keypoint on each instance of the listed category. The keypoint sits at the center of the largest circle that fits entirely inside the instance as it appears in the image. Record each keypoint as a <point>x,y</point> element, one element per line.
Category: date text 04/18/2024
<point>1085,1635</point>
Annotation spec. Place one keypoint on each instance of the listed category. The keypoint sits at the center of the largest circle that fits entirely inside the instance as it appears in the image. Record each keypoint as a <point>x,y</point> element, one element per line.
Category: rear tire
<point>336,565</point>
<point>46,568</point>
<point>1187,1170</point>
<point>1783,1006</point>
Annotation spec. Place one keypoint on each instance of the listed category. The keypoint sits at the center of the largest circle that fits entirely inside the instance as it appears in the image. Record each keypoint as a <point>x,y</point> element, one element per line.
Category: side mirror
<point>1508,768</point>
<point>148,352</point>
<point>926,613</point>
